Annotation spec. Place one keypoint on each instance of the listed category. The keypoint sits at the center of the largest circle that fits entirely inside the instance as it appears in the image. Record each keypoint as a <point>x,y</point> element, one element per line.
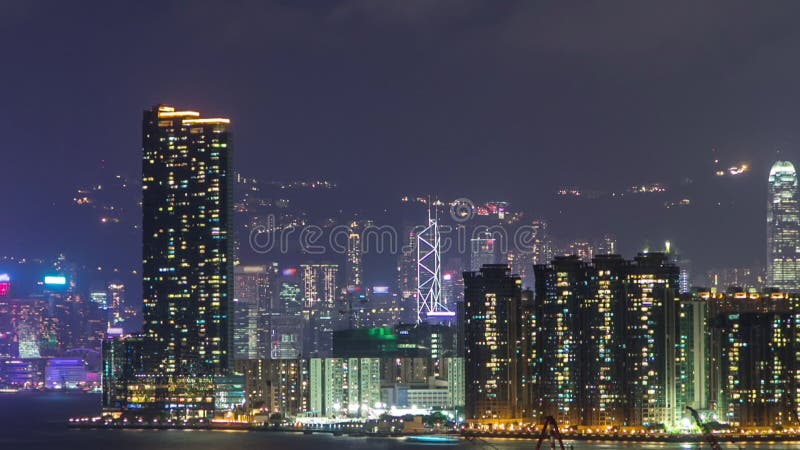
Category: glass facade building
<point>783,228</point>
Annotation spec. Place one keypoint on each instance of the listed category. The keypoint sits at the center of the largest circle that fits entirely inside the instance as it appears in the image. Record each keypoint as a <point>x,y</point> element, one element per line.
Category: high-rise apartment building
<point>494,354</point>
<point>344,387</point>
<point>187,252</point>
<point>606,340</point>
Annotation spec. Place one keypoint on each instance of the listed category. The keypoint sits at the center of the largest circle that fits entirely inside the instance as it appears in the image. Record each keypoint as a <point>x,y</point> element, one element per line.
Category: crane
<point>553,434</point>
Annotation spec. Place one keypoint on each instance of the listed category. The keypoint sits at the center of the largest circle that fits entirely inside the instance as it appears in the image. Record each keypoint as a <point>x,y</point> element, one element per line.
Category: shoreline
<point>687,438</point>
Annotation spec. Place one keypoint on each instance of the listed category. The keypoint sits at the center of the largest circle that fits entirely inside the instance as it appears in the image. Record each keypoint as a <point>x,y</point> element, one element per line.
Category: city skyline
<point>435,221</point>
<point>552,88</point>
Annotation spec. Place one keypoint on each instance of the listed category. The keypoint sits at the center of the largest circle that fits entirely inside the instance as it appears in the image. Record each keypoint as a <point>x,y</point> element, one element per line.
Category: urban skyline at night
<point>371,224</point>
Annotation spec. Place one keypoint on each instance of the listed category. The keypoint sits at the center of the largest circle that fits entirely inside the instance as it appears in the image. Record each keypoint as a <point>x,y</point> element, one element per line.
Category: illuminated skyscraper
<point>354,253</point>
<point>561,290</point>
<point>319,288</point>
<point>607,245</point>
<point>650,339</point>
<point>692,352</point>
<point>582,250</point>
<point>407,276</point>
<point>483,251</point>
<point>118,309</point>
<point>429,273</point>
<point>254,304</point>
<point>783,228</point>
<point>606,340</point>
<point>755,341</point>
<point>493,333</point>
<point>187,254</point>
<point>320,309</point>
<point>542,246</point>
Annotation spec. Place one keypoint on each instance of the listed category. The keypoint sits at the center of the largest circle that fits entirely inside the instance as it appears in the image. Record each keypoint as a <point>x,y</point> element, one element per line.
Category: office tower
<point>353,276</point>
<point>286,336</point>
<point>582,250</point>
<point>290,292</point>
<point>742,277</point>
<point>79,322</point>
<point>407,276</point>
<point>783,228</point>
<point>452,280</point>
<point>607,245</point>
<point>318,284</point>
<point>119,310</point>
<point>99,298</point>
<point>492,300</point>
<point>187,254</point>
<point>254,304</point>
<point>429,274</point>
<point>483,250</point>
<point>542,246</point>
<point>320,309</point>
<point>685,284</point>
<point>520,264</point>
<point>27,330</point>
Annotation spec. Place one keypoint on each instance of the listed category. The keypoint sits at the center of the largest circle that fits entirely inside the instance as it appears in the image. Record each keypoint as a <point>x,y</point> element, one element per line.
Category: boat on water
<point>433,439</point>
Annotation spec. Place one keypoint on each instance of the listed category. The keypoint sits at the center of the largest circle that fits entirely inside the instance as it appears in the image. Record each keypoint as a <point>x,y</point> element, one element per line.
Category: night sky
<point>483,99</point>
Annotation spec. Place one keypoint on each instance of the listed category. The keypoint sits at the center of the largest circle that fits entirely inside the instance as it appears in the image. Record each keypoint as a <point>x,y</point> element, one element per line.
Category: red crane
<point>552,433</point>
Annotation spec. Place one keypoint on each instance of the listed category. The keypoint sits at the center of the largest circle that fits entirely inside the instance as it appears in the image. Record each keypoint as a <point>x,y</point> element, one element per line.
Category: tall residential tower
<point>187,257</point>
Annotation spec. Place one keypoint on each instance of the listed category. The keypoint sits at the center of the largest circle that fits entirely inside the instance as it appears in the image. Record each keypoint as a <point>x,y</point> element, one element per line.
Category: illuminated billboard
<point>55,280</point>
<point>5,284</point>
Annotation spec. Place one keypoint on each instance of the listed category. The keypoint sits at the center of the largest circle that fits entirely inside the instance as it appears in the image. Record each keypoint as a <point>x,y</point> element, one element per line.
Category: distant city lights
<point>737,170</point>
